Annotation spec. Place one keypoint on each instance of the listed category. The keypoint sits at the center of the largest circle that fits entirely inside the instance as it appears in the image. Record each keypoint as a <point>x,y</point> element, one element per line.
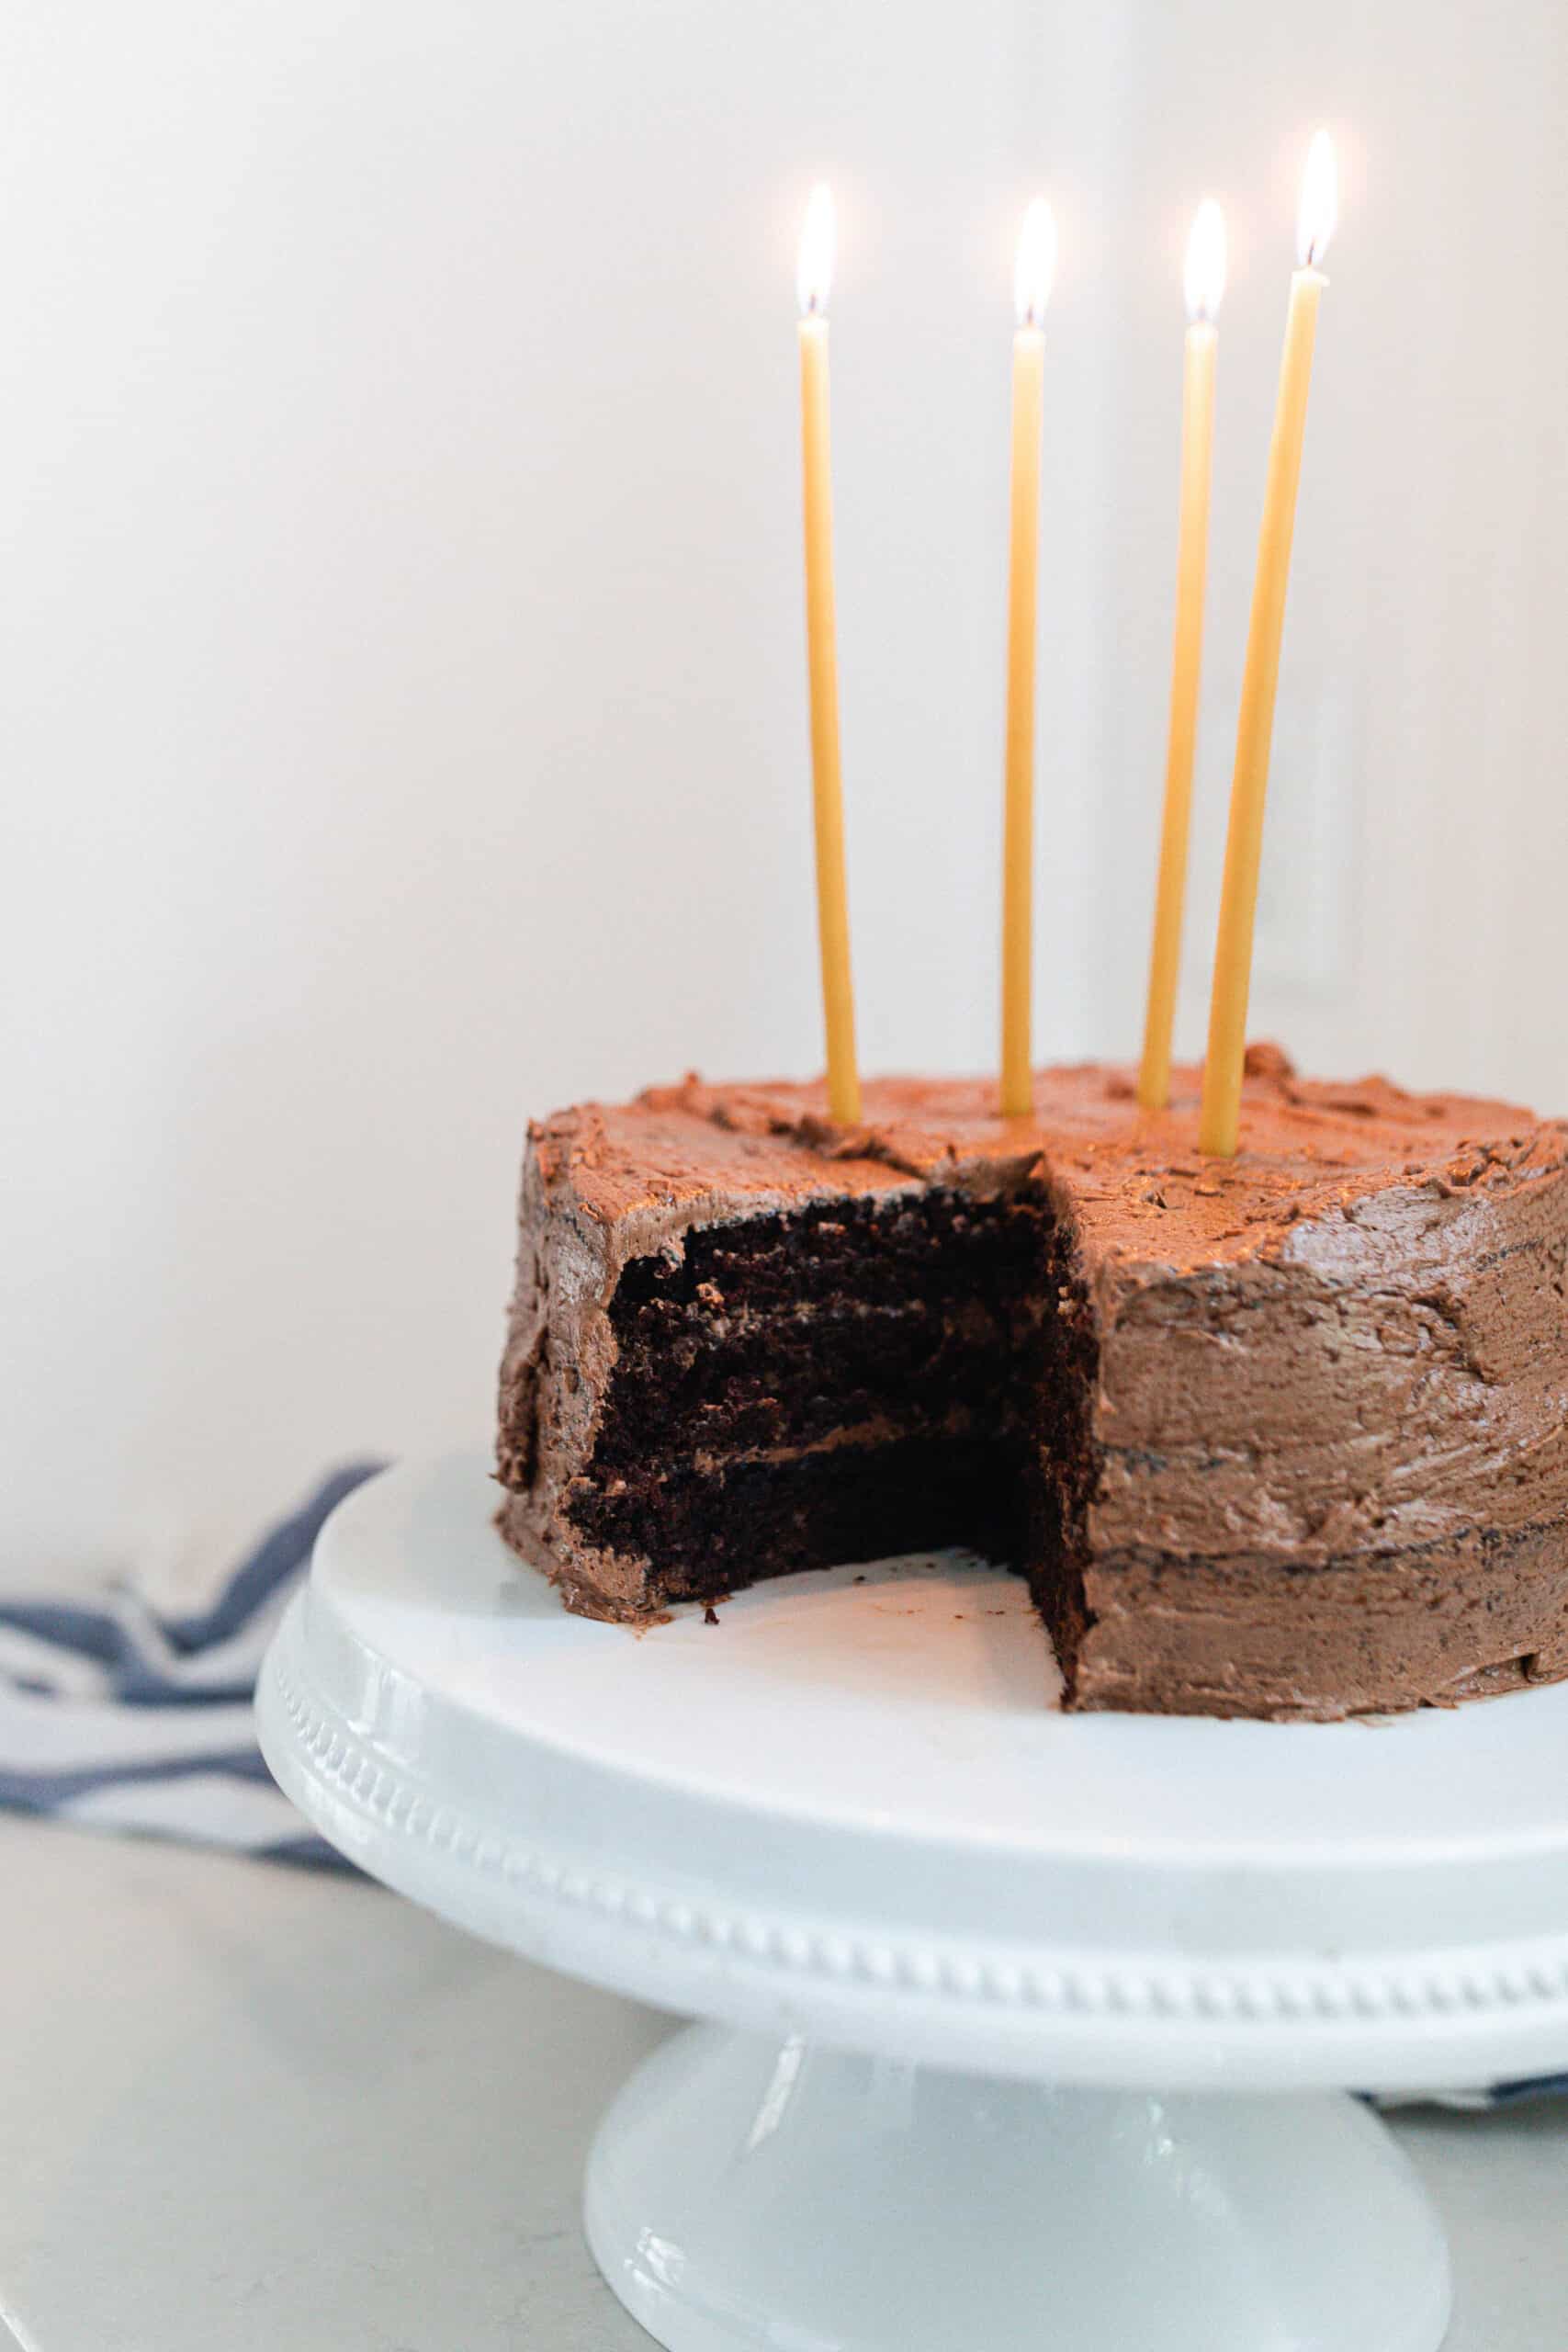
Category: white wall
<point>402,652</point>
<point>1417,847</point>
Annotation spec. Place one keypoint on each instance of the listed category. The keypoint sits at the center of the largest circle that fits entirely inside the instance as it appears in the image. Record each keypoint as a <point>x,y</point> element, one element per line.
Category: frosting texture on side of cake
<point>1283,1435</point>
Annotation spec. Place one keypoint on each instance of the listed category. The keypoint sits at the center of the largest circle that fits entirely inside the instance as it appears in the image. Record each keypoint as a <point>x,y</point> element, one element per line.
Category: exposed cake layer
<point>829,1380</point>
<point>1304,1453</point>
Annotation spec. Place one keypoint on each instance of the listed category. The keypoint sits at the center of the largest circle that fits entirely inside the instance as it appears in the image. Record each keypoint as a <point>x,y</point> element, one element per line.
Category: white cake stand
<point>1032,2029</point>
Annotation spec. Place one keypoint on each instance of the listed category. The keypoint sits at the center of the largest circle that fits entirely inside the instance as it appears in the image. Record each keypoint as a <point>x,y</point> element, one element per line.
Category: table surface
<point>244,2106</point>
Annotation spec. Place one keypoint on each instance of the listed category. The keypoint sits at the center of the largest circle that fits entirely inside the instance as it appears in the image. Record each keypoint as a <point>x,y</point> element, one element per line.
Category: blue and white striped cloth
<point>120,1718</point>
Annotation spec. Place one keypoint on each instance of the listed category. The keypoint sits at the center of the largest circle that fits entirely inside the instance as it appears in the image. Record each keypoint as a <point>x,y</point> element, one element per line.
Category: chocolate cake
<point>1283,1435</point>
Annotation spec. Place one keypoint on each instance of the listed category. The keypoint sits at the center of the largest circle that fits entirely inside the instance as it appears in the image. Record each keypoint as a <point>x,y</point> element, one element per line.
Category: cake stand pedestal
<point>1024,2030</point>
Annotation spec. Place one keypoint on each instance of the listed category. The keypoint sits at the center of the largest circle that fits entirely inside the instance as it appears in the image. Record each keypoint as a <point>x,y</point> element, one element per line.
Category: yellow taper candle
<point>1204,285</point>
<point>822,659</point>
<point>1035,268</point>
<point>1219,1118</point>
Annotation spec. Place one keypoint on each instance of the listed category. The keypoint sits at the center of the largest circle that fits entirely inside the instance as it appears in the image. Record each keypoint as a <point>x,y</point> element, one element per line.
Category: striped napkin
<point>120,1717</point>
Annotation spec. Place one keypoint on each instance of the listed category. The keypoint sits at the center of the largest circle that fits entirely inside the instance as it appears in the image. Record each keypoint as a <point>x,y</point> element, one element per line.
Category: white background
<point>403,666</point>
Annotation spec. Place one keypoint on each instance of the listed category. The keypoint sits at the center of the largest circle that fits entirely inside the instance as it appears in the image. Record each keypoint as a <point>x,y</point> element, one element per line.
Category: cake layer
<point>1284,1434</point>
<point>708,1526</point>
<point>1367,1632</point>
<point>785,1331</point>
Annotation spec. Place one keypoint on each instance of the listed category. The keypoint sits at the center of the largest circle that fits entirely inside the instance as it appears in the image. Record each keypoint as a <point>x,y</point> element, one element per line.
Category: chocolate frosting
<point>1330,1410</point>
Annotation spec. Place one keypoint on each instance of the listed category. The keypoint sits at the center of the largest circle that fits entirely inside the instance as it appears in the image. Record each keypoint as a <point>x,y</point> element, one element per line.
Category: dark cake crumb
<point>852,1380</point>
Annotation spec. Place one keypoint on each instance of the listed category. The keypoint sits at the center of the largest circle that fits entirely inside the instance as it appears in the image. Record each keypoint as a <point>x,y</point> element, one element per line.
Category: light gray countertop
<point>245,2108</point>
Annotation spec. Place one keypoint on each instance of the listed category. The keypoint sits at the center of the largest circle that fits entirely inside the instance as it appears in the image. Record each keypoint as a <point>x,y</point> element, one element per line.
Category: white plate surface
<point>849,1808</point>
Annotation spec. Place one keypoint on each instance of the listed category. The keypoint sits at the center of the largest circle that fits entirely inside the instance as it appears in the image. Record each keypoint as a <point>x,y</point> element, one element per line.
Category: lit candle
<point>1221,1114</point>
<point>822,656</point>
<point>1032,288</point>
<point>1204,283</point>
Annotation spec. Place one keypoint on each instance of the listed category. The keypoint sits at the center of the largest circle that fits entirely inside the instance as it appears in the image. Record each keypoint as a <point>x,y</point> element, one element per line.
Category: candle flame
<point>1036,264</point>
<point>1318,214</point>
<point>814,273</point>
<point>1203,280</point>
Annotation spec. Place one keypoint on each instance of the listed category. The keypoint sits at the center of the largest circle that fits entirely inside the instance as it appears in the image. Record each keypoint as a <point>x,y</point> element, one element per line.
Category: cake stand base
<point>750,2192</point>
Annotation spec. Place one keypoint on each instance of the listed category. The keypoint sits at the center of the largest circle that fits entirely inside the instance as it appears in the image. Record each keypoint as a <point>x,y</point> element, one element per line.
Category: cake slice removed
<point>1285,1435</point>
